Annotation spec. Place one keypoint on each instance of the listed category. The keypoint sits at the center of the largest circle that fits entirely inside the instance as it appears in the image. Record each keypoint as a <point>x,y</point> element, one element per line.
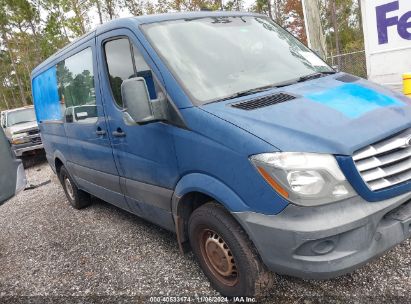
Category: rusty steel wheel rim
<point>218,257</point>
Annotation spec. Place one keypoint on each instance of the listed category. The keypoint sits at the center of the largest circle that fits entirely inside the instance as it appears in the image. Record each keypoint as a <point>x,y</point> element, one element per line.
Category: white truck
<point>387,34</point>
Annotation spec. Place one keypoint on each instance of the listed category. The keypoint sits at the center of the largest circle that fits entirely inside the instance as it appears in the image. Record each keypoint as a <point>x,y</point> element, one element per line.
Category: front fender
<point>211,186</point>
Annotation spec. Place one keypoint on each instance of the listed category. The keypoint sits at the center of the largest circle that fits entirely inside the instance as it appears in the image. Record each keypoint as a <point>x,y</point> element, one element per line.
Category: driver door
<point>144,154</point>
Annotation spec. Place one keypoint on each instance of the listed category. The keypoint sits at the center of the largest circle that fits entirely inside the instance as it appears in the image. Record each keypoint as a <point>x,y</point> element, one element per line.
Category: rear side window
<point>67,88</point>
<point>45,96</point>
<point>76,89</point>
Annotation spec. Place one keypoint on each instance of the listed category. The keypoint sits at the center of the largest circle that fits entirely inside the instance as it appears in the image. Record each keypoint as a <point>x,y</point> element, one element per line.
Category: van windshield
<point>216,57</point>
<point>20,116</point>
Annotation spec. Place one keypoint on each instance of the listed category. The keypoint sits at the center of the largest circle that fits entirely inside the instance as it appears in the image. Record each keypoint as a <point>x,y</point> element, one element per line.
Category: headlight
<point>306,179</point>
<point>20,138</point>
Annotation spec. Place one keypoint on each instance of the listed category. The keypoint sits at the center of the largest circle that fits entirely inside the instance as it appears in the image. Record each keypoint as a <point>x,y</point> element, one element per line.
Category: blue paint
<point>46,97</point>
<point>354,100</point>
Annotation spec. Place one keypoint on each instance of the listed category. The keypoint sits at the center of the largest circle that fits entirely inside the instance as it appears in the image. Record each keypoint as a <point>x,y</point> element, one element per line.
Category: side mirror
<point>69,115</point>
<point>12,175</point>
<point>137,102</point>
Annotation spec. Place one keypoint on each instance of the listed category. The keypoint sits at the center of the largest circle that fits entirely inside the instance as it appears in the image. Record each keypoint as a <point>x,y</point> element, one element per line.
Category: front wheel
<point>225,253</point>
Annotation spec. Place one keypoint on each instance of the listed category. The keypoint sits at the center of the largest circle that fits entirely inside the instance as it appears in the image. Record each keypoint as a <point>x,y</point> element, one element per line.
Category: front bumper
<point>327,241</point>
<point>20,149</point>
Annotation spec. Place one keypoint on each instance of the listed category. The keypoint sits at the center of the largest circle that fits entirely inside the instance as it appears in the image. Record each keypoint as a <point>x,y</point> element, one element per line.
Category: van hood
<point>336,114</point>
<point>20,128</point>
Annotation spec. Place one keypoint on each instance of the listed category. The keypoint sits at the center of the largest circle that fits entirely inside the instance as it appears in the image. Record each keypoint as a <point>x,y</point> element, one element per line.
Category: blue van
<point>228,131</point>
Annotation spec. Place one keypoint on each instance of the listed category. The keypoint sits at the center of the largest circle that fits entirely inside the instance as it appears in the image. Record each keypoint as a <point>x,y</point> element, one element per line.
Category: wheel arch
<point>194,190</point>
<point>58,161</point>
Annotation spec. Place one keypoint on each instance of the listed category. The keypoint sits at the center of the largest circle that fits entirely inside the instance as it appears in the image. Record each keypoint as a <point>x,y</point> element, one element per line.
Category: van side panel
<point>54,139</point>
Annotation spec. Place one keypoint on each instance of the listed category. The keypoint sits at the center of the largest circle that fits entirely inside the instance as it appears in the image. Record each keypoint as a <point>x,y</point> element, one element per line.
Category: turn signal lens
<point>272,182</point>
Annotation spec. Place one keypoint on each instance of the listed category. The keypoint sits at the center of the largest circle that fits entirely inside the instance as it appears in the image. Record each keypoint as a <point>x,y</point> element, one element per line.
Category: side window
<point>124,61</point>
<point>75,80</point>
<point>143,70</point>
<point>119,65</point>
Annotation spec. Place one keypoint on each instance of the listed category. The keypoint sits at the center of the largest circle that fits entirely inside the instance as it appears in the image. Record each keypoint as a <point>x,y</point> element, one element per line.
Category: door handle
<point>100,131</point>
<point>119,133</point>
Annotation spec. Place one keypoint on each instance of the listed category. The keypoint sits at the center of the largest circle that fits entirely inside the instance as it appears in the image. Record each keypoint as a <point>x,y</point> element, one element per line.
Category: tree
<point>5,30</point>
<point>135,7</point>
<point>270,13</point>
<point>234,5</point>
<point>260,6</point>
<point>109,7</point>
<point>287,13</point>
<point>345,27</point>
<point>99,10</point>
<point>294,22</point>
<point>78,23</point>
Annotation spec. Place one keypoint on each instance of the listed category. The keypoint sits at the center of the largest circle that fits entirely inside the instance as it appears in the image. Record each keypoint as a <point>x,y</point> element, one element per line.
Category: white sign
<point>387,35</point>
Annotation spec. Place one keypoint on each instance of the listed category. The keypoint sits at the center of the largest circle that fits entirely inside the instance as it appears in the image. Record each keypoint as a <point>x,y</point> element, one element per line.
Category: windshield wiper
<point>304,78</point>
<point>314,76</point>
<point>278,85</point>
<point>244,93</point>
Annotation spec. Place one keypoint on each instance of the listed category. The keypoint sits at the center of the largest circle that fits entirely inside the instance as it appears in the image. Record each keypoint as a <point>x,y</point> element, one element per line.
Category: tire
<point>77,198</point>
<point>225,253</point>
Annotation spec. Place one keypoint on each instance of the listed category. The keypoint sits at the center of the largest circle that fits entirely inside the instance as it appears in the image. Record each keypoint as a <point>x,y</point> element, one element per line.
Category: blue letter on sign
<point>404,25</point>
<point>383,22</point>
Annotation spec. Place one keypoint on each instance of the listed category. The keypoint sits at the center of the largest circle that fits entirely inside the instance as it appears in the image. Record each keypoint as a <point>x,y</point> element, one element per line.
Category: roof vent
<point>263,101</point>
<point>347,78</point>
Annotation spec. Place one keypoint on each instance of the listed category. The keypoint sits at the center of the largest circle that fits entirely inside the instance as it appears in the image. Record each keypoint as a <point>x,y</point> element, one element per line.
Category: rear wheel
<point>225,253</point>
<point>76,197</point>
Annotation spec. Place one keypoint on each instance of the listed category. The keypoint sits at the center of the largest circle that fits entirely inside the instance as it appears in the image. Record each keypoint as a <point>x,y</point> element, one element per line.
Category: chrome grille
<point>385,163</point>
<point>33,132</point>
<point>36,140</point>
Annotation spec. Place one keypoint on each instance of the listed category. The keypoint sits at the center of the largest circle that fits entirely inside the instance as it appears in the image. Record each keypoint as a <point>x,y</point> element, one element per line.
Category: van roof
<point>189,15</point>
<point>129,22</point>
